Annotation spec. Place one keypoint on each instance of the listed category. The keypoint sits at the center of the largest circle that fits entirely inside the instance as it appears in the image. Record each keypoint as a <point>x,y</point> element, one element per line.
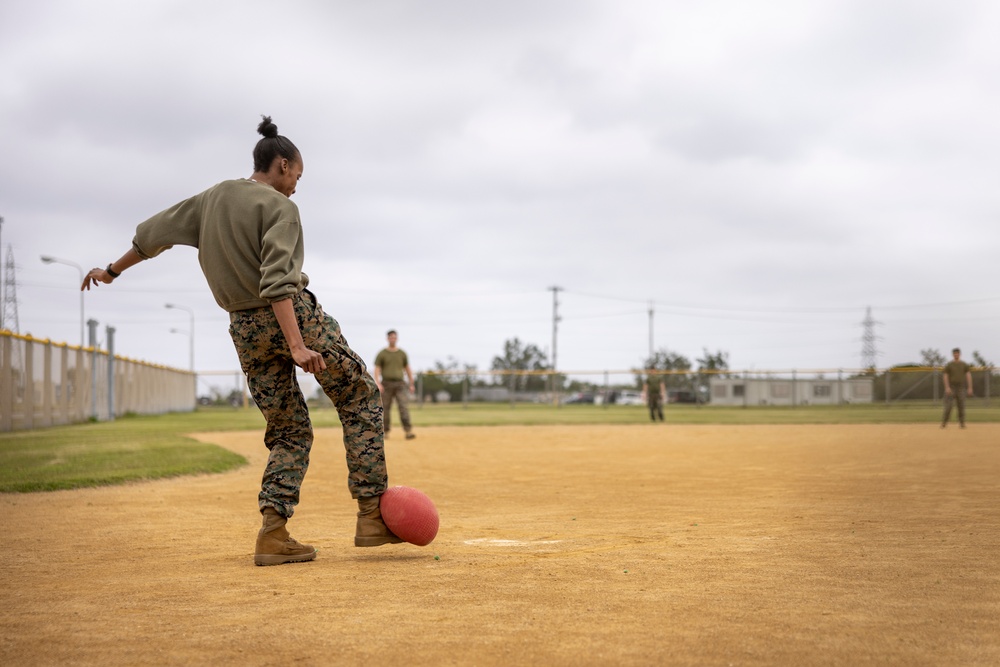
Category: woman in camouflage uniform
<point>249,239</point>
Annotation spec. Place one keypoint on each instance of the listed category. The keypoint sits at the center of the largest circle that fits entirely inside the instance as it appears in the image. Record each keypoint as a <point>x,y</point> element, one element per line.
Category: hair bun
<point>267,128</point>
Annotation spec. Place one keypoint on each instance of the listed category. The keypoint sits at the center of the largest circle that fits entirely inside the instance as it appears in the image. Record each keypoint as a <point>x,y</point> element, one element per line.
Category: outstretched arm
<point>97,276</point>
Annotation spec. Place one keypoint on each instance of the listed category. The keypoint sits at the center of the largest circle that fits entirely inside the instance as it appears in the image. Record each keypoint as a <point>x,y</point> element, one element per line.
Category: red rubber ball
<point>410,514</point>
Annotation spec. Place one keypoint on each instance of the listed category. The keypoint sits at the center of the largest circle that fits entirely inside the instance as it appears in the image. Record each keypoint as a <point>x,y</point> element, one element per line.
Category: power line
<point>838,309</point>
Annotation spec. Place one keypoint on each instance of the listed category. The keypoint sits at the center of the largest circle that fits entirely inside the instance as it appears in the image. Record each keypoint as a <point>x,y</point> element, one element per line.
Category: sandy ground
<point>584,545</point>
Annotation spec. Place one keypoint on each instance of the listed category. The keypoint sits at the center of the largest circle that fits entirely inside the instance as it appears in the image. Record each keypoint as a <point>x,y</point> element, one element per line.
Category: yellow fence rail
<point>44,383</point>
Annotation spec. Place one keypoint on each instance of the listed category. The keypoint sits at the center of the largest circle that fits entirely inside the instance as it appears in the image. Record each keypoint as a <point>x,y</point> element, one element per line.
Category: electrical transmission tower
<point>8,311</point>
<point>869,353</point>
<point>8,315</point>
<point>2,310</point>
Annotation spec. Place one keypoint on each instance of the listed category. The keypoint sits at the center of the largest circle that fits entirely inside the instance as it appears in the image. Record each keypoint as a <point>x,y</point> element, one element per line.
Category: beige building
<point>790,390</point>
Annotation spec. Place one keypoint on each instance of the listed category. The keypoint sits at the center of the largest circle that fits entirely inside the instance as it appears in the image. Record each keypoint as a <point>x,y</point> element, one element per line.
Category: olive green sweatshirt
<point>249,241</point>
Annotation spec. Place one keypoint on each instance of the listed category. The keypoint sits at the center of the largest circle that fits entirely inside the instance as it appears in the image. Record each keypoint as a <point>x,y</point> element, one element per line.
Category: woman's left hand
<point>94,277</point>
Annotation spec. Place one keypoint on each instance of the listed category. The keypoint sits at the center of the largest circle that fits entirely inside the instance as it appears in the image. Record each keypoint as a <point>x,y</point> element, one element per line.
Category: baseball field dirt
<point>559,545</point>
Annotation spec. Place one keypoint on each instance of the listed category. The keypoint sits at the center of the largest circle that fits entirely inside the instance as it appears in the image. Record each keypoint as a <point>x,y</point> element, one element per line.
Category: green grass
<point>479,414</point>
<point>128,449</point>
<point>139,448</point>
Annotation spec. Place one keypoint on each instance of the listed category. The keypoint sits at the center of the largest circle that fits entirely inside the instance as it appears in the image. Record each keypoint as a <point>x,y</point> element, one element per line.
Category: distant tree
<point>453,370</point>
<point>981,361</point>
<point>931,357</point>
<point>665,360</point>
<point>448,376</point>
<point>714,362</point>
<point>518,356</point>
<point>984,385</point>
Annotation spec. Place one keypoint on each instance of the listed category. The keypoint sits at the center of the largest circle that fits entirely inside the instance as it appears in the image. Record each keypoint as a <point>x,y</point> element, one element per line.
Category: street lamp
<point>190,312</point>
<point>188,333</point>
<point>55,260</point>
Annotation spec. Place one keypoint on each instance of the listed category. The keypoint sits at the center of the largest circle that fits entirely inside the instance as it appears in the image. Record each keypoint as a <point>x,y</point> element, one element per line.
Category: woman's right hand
<point>309,360</point>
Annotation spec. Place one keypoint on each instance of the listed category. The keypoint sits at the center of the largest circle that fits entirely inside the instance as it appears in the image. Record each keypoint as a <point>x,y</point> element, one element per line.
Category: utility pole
<point>650,328</point>
<point>555,330</point>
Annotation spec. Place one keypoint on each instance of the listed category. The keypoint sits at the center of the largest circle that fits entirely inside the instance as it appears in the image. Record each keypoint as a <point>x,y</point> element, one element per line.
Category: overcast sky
<point>760,172</point>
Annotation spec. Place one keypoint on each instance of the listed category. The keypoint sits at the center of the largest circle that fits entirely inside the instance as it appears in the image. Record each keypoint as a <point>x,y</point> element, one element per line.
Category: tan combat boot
<point>372,531</point>
<point>275,546</point>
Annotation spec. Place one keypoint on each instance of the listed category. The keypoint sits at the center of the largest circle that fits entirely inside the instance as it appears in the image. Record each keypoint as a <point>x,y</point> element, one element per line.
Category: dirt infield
<point>561,545</point>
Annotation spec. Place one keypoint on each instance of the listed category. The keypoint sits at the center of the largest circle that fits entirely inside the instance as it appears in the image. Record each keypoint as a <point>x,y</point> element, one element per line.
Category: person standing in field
<point>654,392</point>
<point>957,379</point>
<point>249,239</point>
<point>390,365</point>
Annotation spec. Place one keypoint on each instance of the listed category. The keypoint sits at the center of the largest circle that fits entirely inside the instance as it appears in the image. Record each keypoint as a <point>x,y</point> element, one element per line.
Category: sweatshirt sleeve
<point>281,261</point>
<point>178,225</point>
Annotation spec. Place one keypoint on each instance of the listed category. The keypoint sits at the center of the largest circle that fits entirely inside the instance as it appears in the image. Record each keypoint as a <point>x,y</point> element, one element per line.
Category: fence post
<point>29,384</point>
<point>64,385</point>
<point>465,391</point>
<point>606,391</point>
<point>795,390</point>
<point>47,384</point>
<point>888,384</point>
<point>6,384</point>
<point>420,390</point>
<point>746,387</point>
<point>92,324</point>
<point>110,333</point>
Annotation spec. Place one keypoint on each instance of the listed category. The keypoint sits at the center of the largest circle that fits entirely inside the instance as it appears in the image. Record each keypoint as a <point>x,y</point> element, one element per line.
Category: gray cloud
<point>760,172</point>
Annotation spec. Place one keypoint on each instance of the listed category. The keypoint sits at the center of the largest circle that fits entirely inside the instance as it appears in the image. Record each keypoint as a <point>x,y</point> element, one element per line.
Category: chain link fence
<point>43,383</point>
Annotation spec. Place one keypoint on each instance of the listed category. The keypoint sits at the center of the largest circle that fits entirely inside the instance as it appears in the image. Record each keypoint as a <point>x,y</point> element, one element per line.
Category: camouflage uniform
<point>653,397</point>
<point>396,390</point>
<point>955,377</point>
<point>267,362</point>
<point>957,396</point>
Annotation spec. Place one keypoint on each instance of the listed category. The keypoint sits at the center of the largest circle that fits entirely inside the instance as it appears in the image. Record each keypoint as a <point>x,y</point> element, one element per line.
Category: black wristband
<point>111,272</point>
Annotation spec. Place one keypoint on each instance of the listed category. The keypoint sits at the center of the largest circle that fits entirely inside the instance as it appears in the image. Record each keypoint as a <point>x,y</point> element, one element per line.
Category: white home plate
<point>509,543</point>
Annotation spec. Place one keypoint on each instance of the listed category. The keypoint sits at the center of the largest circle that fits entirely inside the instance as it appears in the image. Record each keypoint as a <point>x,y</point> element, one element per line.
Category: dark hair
<point>272,146</point>
<point>390,332</point>
<point>956,350</point>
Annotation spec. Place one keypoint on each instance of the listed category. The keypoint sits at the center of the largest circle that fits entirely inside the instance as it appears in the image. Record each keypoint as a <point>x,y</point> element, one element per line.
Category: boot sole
<point>376,541</point>
<point>278,559</point>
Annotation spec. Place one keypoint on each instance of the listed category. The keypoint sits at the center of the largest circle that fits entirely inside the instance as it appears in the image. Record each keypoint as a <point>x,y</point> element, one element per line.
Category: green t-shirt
<point>955,372</point>
<point>653,384</point>
<point>392,363</point>
<point>249,241</point>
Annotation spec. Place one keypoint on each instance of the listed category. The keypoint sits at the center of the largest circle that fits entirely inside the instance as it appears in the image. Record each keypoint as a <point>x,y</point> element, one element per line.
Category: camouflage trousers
<point>957,395</point>
<point>267,363</point>
<point>398,391</point>
<point>655,406</point>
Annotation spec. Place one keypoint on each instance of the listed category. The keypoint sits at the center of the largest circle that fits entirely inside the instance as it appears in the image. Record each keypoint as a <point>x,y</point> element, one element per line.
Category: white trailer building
<point>790,390</point>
